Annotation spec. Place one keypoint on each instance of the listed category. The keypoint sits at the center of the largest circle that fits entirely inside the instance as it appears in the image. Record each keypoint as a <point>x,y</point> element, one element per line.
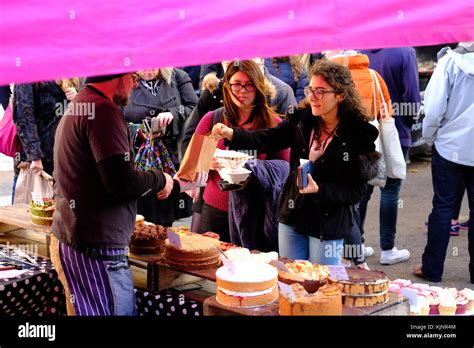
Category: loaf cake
<point>196,252</point>
<point>42,214</point>
<point>326,301</point>
<point>250,284</point>
<point>310,276</point>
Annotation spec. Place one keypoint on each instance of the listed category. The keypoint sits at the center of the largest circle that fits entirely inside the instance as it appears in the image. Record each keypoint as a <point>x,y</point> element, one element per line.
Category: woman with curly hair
<point>331,129</point>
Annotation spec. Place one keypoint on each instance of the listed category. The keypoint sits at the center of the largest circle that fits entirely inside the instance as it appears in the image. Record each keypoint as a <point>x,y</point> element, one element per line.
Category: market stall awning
<point>47,39</point>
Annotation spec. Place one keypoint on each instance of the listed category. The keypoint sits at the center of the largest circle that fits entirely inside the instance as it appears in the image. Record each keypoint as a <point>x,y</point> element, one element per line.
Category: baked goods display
<point>326,301</point>
<point>196,251</point>
<point>42,214</point>
<point>440,301</point>
<point>248,284</point>
<point>147,238</point>
<point>364,288</point>
<point>310,276</point>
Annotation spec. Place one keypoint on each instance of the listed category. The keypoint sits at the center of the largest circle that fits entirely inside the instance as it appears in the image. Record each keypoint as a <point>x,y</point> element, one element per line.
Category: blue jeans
<point>449,179</point>
<point>297,246</point>
<point>389,197</point>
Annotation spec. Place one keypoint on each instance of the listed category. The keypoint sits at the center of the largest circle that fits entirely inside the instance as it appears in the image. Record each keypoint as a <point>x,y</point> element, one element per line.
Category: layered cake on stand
<point>249,284</point>
<point>147,238</point>
<point>42,214</point>
<point>326,301</point>
<point>196,252</point>
<point>310,276</point>
<point>364,288</point>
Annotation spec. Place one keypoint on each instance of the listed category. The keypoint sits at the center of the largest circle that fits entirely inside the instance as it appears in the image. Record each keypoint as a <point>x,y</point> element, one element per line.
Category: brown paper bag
<point>198,156</point>
<point>28,182</point>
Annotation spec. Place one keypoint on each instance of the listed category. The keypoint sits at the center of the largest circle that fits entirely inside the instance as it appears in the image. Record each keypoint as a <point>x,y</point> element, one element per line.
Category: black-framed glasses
<point>316,93</point>
<point>237,87</point>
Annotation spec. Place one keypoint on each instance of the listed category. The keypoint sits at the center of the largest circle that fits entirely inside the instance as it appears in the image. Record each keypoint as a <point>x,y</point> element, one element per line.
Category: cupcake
<point>435,289</point>
<point>461,303</point>
<point>419,287</point>
<point>433,301</point>
<point>469,294</point>
<point>424,305</point>
<point>395,288</point>
<point>447,303</point>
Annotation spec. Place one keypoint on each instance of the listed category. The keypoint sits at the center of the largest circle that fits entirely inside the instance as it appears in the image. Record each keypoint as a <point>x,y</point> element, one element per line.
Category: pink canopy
<point>48,39</point>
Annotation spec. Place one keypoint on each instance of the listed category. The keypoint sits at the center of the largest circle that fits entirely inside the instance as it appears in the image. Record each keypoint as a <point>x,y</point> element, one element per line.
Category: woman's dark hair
<point>339,78</point>
<point>262,115</point>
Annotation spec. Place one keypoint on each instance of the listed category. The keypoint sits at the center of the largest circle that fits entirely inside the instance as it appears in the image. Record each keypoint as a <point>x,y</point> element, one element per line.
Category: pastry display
<point>441,301</point>
<point>248,284</point>
<point>196,251</point>
<point>326,301</point>
<point>310,276</point>
<point>42,214</point>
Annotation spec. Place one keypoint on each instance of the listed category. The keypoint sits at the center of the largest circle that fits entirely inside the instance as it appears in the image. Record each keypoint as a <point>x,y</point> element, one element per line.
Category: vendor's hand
<point>222,131</point>
<point>163,194</point>
<point>194,193</point>
<point>71,93</point>
<point>201,180</point>
<point>312,186</point>
<point>36,166</point>
<point>216,164</point>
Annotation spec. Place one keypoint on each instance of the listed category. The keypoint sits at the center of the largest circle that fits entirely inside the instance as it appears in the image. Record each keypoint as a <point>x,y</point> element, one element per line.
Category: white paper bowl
<point>234,176</point>
<point>232,159</point>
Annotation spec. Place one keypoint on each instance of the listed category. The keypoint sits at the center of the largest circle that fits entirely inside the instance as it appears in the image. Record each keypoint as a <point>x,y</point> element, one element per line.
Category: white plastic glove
<point>201,180</point>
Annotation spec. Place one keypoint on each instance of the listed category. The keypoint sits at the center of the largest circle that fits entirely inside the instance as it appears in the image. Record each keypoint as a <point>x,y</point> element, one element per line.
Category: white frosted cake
<point>251,284</point>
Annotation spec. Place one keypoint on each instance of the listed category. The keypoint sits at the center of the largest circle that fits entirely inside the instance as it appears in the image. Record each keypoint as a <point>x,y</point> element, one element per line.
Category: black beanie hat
<point>103,78</point>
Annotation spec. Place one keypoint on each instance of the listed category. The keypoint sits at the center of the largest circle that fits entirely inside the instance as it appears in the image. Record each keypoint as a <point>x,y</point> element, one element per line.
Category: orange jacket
<point>359,67</point>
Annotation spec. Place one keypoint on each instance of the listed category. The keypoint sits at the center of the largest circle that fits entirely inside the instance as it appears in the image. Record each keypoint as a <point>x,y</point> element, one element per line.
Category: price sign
<point>228,264</point>
<point>37,198</point>
<point>287,290</point>
<point>279,265</point>
<point>174,239</point>
<point>338,272</point>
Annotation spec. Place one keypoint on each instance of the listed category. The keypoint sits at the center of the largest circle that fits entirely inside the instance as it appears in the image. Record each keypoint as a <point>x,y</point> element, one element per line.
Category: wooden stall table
<point>16,218</point>
<point>169,276</point>
<point>392,307</point>
<point>18,215</point>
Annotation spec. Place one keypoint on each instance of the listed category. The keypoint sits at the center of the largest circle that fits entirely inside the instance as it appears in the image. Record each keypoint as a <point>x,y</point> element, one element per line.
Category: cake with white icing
<point>249,284</point>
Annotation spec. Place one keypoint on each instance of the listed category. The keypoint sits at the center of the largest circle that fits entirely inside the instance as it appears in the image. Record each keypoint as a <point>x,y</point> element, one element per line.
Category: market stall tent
<point>48,39</point>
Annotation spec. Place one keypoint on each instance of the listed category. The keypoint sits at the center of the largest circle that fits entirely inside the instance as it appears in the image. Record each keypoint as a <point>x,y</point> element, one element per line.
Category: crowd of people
<point>124,161</point>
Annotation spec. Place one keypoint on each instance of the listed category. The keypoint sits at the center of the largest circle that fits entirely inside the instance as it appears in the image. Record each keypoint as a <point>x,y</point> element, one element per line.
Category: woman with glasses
<point>331,130</point>
<point>245,107</point>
